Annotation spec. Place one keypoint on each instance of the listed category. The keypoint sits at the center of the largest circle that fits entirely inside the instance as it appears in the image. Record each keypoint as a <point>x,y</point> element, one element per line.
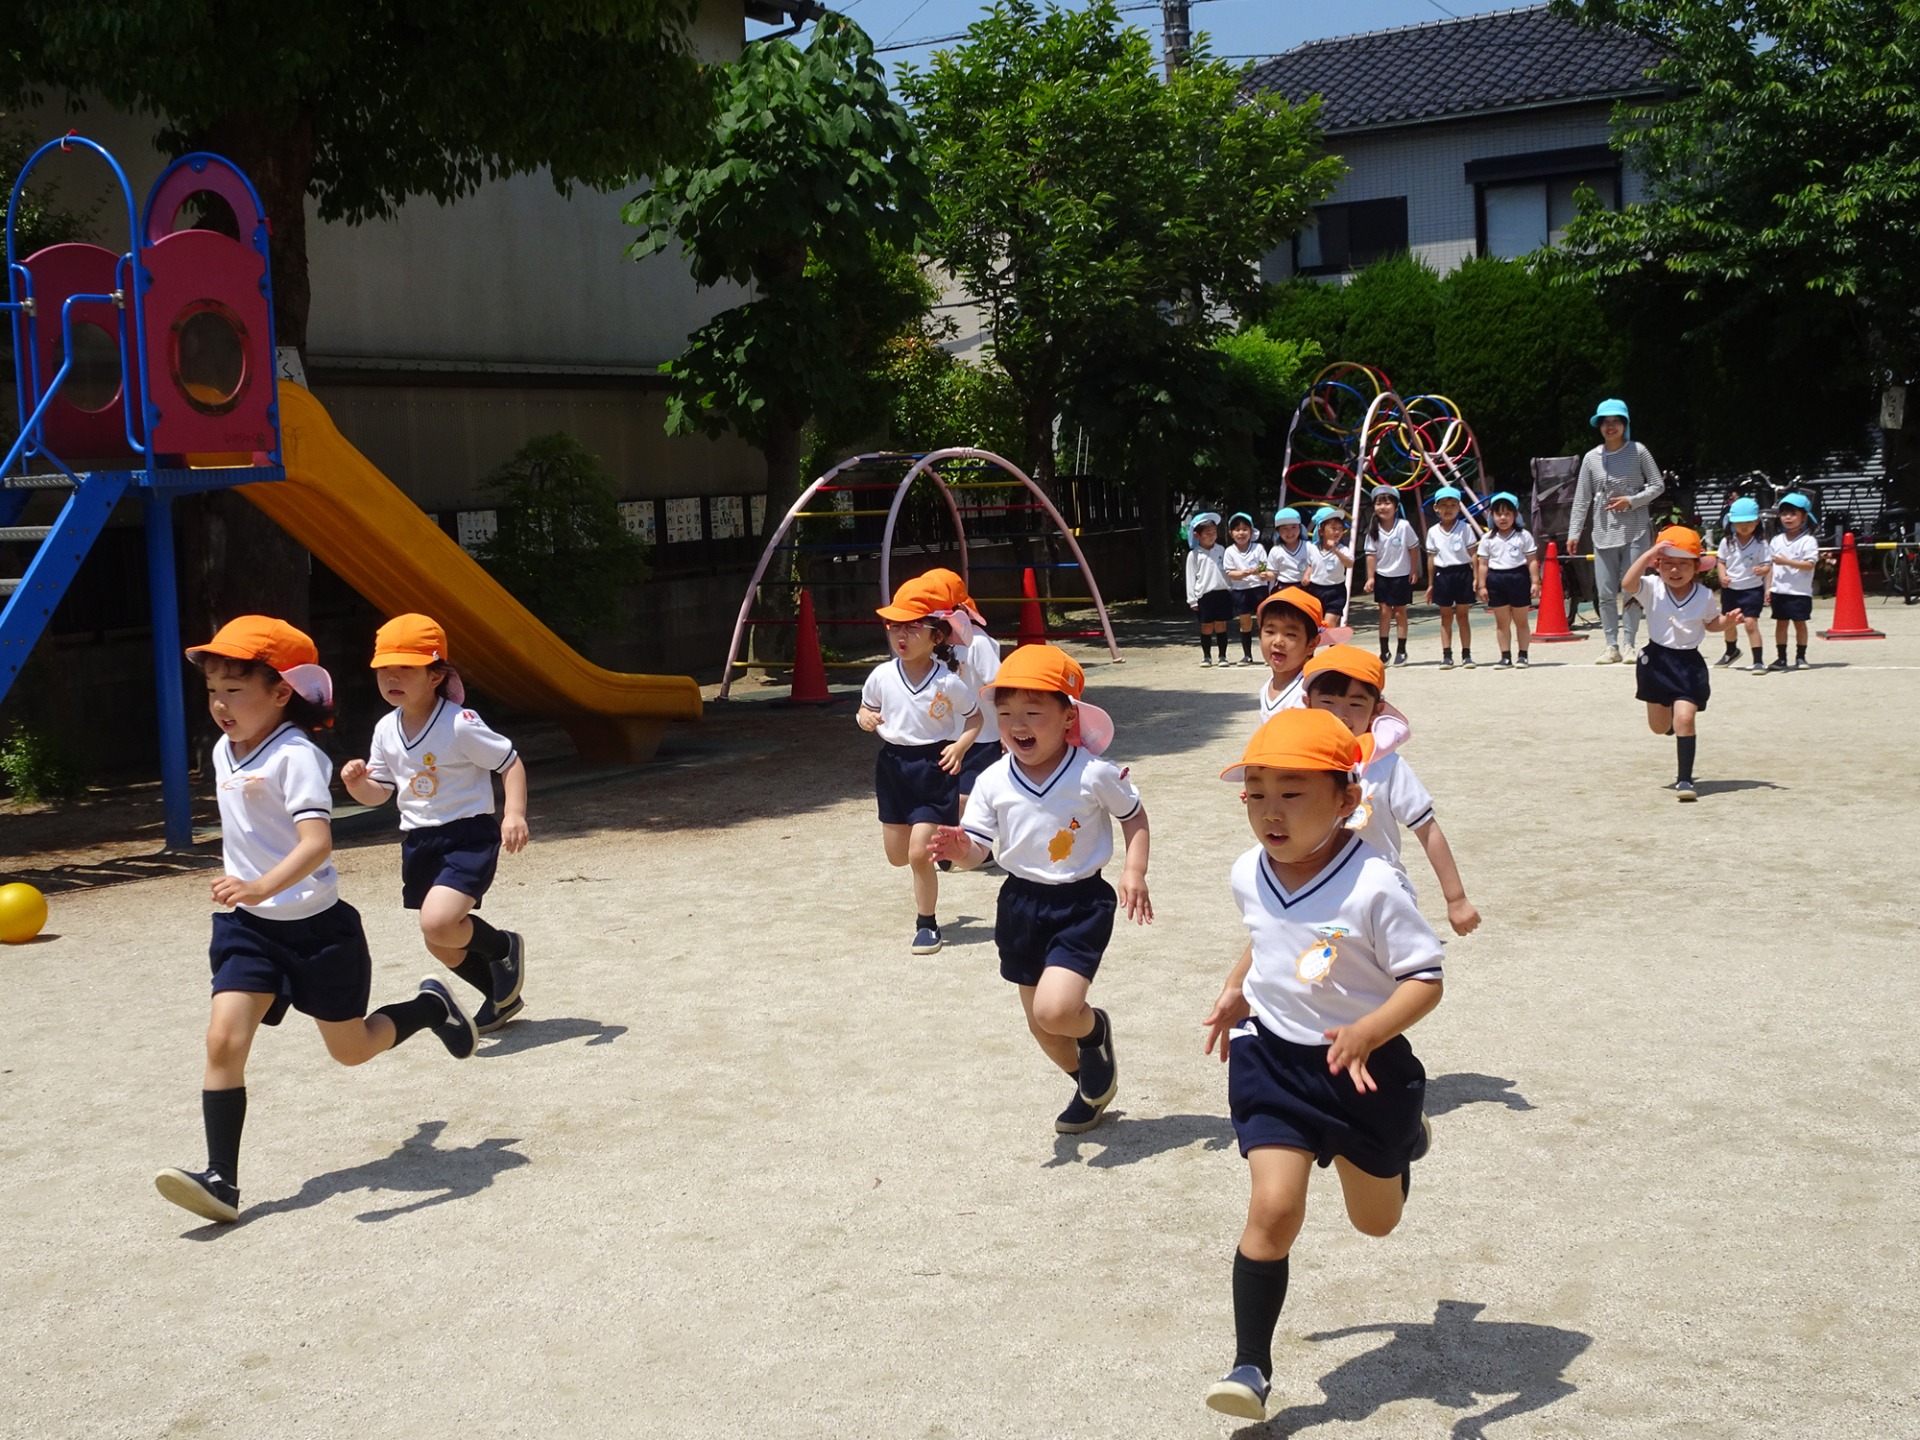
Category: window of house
<point>1347,237</point>
<point>1525,202</point>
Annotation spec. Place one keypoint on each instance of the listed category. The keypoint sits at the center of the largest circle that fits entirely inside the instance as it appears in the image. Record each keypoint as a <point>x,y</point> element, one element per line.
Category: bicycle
<point>1900,566</point>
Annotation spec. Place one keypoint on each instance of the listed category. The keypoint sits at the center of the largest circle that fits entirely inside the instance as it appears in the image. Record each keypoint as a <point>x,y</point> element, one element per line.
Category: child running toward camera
<point>1451,544</point>
<point>1247,576</point>
<point>1745,562</point>
<point>1290,556</point>
<point>287,938</point>
<point>978,657</point>
<point>1508,565</point>
<point>1393,567</point>
<point>1350,685</point>
<point>1208,594</point>
<point>1327,576</point>
<point>1046,812</point>
<point>1289,622</point>
<point>1312,1022</point>
<point>438,759</point>
<point>1671,676</point>
<point>1794,551</point>
<point>929,719</point>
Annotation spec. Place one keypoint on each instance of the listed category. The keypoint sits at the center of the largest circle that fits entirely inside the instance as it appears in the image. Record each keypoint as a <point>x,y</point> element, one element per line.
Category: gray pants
<point>1609,566</point>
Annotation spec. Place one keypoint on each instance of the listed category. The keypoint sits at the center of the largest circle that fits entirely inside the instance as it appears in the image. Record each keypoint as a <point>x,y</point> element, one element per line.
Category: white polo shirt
<point>445,772</point>
<point>1453,545</point>
<point>1052,831</point>
<point>1738,559</point>
<point>1333,951</point>
<point>1293,696</point>
<point>1329,567</point>
<point>1804,546</point>
<point>1391,796</point>
<point>1290,566</point>
<point>979,662</point>
<point>1393,552</point>
<point>1507,552</point>
<point>262,800</point>
<point>1678,624</point>
<point>1251,558</point>
<point>933,711</point>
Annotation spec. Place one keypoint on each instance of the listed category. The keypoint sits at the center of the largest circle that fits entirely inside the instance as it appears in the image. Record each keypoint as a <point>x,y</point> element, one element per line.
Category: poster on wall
<point>729,517</point>
<point>637,517</point>
<point>683,520</point>
<point>476,527</point>
<point>758,509</point>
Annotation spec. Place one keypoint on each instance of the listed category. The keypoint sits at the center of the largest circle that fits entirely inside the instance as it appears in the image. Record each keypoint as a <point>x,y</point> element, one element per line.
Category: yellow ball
<point>23,911</point>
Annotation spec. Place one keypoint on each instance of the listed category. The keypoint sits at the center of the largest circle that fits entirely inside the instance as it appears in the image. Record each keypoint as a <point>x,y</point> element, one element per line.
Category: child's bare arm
<point>1460,912</point>
<point>955,755</point>
<point>867,718</point>
<point>308,855</point>
<point>1231,1007</point>
<point>1373,568</point>
<point>361,785</point>
<point>1630,581</point>
<point>513,808</point>
<point>1133,879</point>
<point>1411,1002</point>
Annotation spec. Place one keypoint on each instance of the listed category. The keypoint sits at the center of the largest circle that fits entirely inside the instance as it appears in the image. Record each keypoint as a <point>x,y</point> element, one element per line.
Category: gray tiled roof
<point>1447,68</point>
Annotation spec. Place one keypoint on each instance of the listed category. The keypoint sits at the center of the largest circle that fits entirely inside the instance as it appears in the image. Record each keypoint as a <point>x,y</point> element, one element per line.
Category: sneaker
<point>1466,660</point>
<point>1505,662</point>
<point>1399,657</point>
<point>1424,1143</point>
<point>926,940</point>
<point>1079,1117</point>
<point>1207,660</point>
<point>1099,1071</point>
<point>1780,664</point>
<point>1241,1393</point>
<point>1759,666</point>
<point>943,866</point>
<point>1733,654</point>
<point>489,1018</point>
<point>1609,656</point>
<point>1523,660</point>
<point>205,1193</point>
<point>1683,791</point>
<point>1799,663</point>
<point>456,1032</point>
<point>510,972</point>
<point>1446,659</point>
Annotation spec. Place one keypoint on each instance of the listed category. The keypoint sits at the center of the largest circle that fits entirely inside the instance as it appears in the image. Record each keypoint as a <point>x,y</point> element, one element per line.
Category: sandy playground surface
<point>750,1169</point>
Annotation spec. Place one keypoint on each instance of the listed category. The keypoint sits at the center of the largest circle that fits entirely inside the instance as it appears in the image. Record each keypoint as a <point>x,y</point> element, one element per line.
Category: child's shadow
<point>1125,1140</point>
<point>1447,1093</point>
<point>1456,1361</point>
<point>1704,788</point>
<point>418,1166</point>
<point>531,1034</point>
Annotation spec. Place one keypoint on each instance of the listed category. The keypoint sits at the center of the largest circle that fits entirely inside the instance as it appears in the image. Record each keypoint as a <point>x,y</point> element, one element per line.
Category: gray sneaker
<point>1241,1393</point>
<point>926,941</point>
<point>1609,656</point>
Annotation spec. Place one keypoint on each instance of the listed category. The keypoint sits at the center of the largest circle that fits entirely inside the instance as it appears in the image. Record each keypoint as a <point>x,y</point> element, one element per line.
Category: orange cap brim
<point>384,658</point>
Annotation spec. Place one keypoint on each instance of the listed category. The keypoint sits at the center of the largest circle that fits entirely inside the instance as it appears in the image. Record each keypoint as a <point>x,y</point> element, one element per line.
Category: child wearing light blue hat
<point>1452,542</point>
<point>1327,575</point>
<point>1795,551</point>
<point>1745,564</point>
<point>1290,556</point>
<point>1393,567</point>
<point>1208,594</point>
<point>1508,569</point>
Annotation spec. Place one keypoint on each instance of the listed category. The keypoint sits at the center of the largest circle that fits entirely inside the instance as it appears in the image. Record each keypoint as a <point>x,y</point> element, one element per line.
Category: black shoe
<point>1079,1117</point>
<point>489,1017</point>
<point>1466,660</point>
<point>943,866</point>
<point>1446,659</point>
<point>456,1032</point>
<point>1780,665</point>
<point>1684,792</point>
<point>1099,1071</point>
<point>1799,662</point>
<point>1400,657</point>
<point>1505,662</point>
<point>509,972</point>
<point>205,1193</point>
<point>1523,659</point>
<point>1733,654</point>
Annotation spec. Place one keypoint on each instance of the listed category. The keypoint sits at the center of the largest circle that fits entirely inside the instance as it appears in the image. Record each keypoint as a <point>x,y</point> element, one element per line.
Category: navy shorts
<point>1246,601</point>
<point>979,757</point>
<point>1510,587</point>
<point>912,788</point>
<point>1281,1093</point>
<point>1664,675</point>
<point>460,855</point>
<point>1748,602</point>
<point>1393,590</point>
<point>1216,605</point>
<point>1332,598</point>
<point>1452,585</point>
<point>1792,607</point>
<point>321,965</point>
<point>1040,925</point>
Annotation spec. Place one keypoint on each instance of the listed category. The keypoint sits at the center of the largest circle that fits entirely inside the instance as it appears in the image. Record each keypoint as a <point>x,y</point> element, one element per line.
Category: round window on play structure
<point>206,210</point>
<point>209,355</point>
<point>94,382</point>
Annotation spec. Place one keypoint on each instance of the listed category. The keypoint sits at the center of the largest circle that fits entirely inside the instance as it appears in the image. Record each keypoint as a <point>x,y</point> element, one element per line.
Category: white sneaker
<point>1609,656</point>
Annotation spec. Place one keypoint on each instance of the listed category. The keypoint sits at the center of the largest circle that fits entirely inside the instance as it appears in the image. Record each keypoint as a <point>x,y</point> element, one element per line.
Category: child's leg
<point>1446,627</point>
<point>1503,624</point>
<point>1684,713</point>
<point>354,1042</point>
<point>223,1085</point>
<point>1660,718</point>
<point>926,875</point>
<point>1400,624</point>
<point>1522,632</point>
<point>1800,635</point>
<point>1780,637</point>
<point>1275,1210</point>
<point>1373,1204</point>
<point>1059,1048</point>
<point>1753,634</point>
<point>1059,1005</point>
<point>444,924</point>
<point>1466,628</point>
<point>1246,638</point>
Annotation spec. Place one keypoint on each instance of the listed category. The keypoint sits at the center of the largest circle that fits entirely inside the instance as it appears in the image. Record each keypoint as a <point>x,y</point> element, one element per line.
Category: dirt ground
<point>750,1169</point>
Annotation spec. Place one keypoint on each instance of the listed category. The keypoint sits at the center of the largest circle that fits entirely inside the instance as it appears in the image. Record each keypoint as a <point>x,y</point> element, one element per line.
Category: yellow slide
<point>358,522</point>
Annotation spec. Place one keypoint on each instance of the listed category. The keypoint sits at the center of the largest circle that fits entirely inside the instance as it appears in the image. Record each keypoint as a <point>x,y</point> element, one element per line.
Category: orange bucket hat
<point>1351,661</point>
<point>1301,600</point>
<point>917,599</point>
<point>410,640</point>
<point>1051,669</point>
<point>1679,541</point>
<point>275,643</point>
<point>1299,740</point>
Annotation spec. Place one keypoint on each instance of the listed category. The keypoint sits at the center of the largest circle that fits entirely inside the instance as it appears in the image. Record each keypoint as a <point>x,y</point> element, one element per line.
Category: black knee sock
<point>224,1112</point>
<point>487,942</point>
<point>1095,1037</point>
<point>1246,645</point>
<point>1259,1290</point>
<point>1781,646</point>
<point>422,1012</point>
<point>1206,645</point>
<point>1800,652</point>
<point>1684,743</point>
<point>476,972</point>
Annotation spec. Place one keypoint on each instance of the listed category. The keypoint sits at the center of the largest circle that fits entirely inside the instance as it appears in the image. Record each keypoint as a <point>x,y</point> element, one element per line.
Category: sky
<point>1249,28</point>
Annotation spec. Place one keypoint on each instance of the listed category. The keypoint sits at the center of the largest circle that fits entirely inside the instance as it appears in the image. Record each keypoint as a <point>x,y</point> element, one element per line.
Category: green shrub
<point>1392,307</point>
<point>38,765</point>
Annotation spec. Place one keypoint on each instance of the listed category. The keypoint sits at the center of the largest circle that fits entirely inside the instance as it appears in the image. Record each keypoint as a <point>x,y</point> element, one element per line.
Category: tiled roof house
<point>1462,137</point>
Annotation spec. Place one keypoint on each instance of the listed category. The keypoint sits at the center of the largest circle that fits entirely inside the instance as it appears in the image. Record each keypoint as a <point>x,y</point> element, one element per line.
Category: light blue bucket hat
<point>1743,510</point>
<point>1446,492</point>
<point>1287,516</point>
<point>1506,495</point>
<point>1324,514</point>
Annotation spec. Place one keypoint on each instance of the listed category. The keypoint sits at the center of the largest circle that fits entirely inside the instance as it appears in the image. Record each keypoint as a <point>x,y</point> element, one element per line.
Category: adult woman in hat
<point>1618,481</point>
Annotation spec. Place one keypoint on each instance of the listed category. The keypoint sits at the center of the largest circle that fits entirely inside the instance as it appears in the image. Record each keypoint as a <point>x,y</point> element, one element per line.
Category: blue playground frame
<point>64,545</point>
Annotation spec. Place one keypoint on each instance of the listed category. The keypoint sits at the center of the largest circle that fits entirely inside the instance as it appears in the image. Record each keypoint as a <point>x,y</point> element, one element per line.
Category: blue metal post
<point>176,798</point>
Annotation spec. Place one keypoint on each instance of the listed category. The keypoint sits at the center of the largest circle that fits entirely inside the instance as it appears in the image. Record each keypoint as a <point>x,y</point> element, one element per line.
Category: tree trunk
<point>1156,538</point>
<point>782,453</point>
<point>1037,422</point>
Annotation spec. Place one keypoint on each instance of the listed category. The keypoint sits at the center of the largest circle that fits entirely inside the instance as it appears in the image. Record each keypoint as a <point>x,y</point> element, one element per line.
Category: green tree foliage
<point>1392,307</point>
<point>561,547</point>
<point>810,188</point>
<point>360,104</point>
<point>1107,221</point>
<point>938,400</point>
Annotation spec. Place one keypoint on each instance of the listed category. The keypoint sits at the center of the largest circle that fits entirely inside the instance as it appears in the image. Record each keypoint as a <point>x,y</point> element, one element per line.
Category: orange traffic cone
<point>1850,599</point>
<point>809,672</point>
<point>1033,626</point>
<point>1551,624</point>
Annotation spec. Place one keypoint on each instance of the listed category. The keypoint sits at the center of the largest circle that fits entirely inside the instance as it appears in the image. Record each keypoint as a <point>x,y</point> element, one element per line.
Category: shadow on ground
<point>1447,1093</point>
<point>1458,1361</point>
<point>1123,1140</point>
<point>555,1030</point>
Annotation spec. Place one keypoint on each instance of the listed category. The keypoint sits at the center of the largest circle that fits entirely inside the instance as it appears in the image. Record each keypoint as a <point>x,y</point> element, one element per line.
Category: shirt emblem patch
<point>939,708</point>
<point>1316,962</point>
<point>1061,846</point>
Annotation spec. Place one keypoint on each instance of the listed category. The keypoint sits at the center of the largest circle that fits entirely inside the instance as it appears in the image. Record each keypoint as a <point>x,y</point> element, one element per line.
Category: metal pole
<point>1176,17</point>
<point>176,798</point>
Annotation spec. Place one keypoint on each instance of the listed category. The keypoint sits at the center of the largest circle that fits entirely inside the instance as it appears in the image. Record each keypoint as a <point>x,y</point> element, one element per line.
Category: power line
<point>884,49</point>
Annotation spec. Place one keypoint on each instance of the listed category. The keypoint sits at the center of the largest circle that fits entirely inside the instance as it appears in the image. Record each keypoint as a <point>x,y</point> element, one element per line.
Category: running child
<point>1327,576</point>
<point>1289,631</point>
<point>1393,566</point>
<point>1508,569</point>
<point>1795,551</point>
<point>1208,594</point>
<point>1350,685</point>
<point>438,759</point>
<point>1670,673</point>
<point>1452,543</point>
<point>287,938</point>
<point>1247,577</point>
<point>1046,812</point>
<point>978,654</point>
<point>929,719</point>
<point>1311,1022</point>
<point>1745,562</point>
<point>1290,556</point>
